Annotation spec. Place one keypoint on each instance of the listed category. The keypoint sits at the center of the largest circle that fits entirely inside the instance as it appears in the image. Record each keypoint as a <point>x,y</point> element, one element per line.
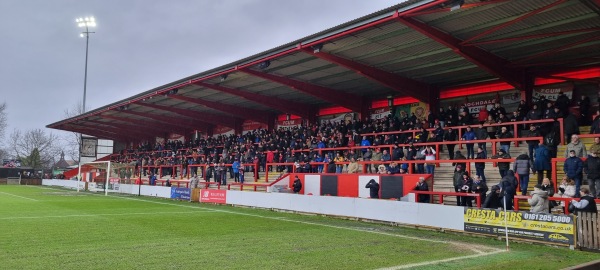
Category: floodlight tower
<point>86,22</point>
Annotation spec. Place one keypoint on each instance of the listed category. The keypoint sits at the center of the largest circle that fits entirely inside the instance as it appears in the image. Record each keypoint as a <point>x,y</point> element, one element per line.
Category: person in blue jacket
<point>236,170</point>
<point>573,168</point>
<point>541,162</point>
<point>469,136</point>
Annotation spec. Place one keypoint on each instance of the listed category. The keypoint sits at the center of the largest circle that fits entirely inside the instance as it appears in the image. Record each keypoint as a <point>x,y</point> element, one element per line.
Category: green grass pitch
<point>51,228</point>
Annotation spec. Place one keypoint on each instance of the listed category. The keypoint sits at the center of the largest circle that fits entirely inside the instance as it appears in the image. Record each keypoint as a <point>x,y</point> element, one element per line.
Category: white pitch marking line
<point>19,196</point>
<point>406,266</point>
<point>100,215</point>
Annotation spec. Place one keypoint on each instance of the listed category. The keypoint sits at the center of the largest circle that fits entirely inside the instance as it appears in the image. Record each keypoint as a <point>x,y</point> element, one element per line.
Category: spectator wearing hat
<point>573,168</point>
<point>591,167</point>
<point>576,146</point>
<point>502,166</point>
<point>494,199</point>
<point>422,186</point>
<point>538,200</point>
<point>373,187</point>
<point>480,187</point>
<point>508,185</point>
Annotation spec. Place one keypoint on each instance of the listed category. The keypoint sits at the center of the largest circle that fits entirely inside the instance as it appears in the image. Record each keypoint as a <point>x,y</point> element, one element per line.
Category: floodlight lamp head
<point>456,4</point>
<point>317,48</point>
<point>265,64</point>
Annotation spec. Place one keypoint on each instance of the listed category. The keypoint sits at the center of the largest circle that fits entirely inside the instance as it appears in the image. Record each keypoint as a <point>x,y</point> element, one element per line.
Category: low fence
<point>588,230</point>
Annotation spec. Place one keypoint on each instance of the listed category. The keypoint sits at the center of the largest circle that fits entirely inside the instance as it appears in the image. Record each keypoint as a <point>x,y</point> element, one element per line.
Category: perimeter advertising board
<point>180,193</point>
<point>550,228</point>
<point>213,196</point>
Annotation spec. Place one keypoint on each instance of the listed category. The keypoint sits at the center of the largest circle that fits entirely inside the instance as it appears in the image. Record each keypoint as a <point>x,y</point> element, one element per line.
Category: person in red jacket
<point>483,115</point>
<point>270,157</point>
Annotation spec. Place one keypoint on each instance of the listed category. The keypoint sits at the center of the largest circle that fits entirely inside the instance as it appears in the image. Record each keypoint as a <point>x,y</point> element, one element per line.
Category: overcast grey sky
<point>139,45</point>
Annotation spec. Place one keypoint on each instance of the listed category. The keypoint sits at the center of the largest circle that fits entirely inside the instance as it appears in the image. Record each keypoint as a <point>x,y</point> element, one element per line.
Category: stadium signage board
<point>541,227</point>
<point>180,193</point>
<point>213,196</point>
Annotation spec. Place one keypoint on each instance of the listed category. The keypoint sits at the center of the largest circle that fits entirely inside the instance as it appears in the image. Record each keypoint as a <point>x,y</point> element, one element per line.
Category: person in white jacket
<point>539,200</point>
<point>429,154</point>
<point>566,189</point>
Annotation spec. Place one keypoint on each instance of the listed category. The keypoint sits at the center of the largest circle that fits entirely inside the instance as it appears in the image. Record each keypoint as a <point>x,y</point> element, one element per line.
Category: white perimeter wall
<point>419,214</point>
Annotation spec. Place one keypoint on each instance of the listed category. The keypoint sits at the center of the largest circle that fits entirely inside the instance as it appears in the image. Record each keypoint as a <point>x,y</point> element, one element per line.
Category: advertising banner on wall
<point>213,196</point>
<point>176,137</point>
<point>550,228</point>
<point>289,124</point>
<point>180,193</point>
<point>344,117</point>
<point>419,109</point>
<point>476,106</point>
<point>220,130</point>
<point>551,91</point>
<point>380,113</point>
<point>250,125</point>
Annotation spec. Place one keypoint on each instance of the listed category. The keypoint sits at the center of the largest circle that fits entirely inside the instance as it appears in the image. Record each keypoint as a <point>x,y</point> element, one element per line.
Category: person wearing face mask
<point>573,168</point>
<point>577,146</point>
<point>591,167</point>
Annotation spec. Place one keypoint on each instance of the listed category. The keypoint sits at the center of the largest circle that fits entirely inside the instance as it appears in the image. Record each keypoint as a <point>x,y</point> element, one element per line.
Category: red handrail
<point>443,193</point>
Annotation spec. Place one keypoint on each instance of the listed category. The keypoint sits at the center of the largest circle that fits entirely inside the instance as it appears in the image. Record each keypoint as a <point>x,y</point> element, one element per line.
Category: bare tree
<point>72,141</point>
<point>3,120</point>
<point>22,144</point>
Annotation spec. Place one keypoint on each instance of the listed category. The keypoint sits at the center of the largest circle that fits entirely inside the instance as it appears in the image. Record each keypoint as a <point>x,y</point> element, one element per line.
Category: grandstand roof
<point>413,50</point>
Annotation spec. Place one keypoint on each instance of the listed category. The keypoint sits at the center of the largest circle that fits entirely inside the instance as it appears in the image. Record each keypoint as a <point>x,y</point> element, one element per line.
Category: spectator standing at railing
<point>576,146</point>
<point>457,179</point>
<point>152,179</point>
<point>450,136</point>
<point>591,167</point>
<point>595,127</point>
<point>505,134</point>
<point>586,204</point>
<point>595,147</point>
<point>469,135</point>
<point>480,166</point>
<point>422,186</point>
<point>297,185</point>
<point>491,130</point>
<point>542,162</point>
<point>397,152</point>
<point>522,166</point>
<point>465,187</point>
<point>494,199</point>
<point>385,156</point>
<point>451,120</point>
<point>562,103</point>
<point>365,142</point>
<point>353,166</point>
<point>503,167</point>
<point>367,156</point>
<point>539,200</point>
<point>338,162</point>
<point>497,111</point>
<point>532,144</point>
<point>573,168</point>
<point>442,117</point>
<point>481,134</point>
<point>235,166</point>
<point>570,125</point>
<point>377,157</point>
<point>483,115</point>
<point>480,187</point>
<point>584,110</point>
<point>534,113</point>
<point>429,154</point>
<point>509,188</point>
